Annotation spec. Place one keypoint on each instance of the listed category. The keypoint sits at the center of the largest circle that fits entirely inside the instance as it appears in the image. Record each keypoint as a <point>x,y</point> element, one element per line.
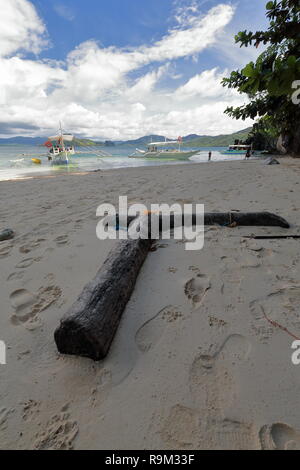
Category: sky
<point>121,69</point>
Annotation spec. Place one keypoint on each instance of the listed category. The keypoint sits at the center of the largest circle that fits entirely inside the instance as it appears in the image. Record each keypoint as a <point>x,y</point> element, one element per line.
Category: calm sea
<point>15,160</point>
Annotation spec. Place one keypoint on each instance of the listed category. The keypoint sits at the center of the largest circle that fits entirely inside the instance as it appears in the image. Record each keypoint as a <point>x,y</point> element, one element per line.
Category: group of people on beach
<point>247,155</point>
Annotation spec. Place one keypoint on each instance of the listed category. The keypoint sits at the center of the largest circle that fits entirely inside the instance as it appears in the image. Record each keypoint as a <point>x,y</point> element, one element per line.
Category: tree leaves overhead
<point>269,81</point>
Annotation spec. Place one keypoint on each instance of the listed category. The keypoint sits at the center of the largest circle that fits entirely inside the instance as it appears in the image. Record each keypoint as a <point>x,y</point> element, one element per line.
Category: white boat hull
<point>164,154</point>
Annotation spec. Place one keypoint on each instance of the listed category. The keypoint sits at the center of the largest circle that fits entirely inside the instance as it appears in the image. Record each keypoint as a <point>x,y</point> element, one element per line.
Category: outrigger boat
<point>61,147</point>
<point>237,149</point>
<point>164,150</point>
<point>59,153</point>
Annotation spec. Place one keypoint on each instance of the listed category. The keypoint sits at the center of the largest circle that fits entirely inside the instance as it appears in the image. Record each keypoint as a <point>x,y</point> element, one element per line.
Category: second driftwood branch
<point>264,219</point>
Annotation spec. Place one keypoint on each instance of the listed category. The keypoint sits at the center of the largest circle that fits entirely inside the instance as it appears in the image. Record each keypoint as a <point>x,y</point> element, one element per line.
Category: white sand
<point>195,363</point>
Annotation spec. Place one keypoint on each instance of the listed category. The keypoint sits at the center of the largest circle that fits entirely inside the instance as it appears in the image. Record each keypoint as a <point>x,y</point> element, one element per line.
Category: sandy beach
<point>202,357</point>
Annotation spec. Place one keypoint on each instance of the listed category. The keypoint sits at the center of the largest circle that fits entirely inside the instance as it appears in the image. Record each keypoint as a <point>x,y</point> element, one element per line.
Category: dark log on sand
<point>89,326</point>
<point>265,219</point>
<point>273,237</point>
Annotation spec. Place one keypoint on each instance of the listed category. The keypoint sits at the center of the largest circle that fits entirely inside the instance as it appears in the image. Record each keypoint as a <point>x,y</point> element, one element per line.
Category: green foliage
<point>218,140</point>
<point>268,81</point>
<point>83,142</point>
<point>263,135</point>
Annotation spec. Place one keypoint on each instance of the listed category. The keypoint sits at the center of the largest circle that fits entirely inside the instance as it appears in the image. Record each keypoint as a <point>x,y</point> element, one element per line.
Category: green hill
<point>83,142</point>
<point>218,140</point>
<point>191,140</point>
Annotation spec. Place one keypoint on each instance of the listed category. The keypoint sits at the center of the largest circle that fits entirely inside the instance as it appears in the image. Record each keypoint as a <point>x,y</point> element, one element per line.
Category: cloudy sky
<point>120,69</point>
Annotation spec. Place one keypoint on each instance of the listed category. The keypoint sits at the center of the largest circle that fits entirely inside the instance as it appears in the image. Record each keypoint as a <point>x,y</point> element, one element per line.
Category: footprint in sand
<point>59,433</point>
<point>253,246</point>
<point>27,305</point>
<point>21,301</point>
<point>187,428</point>
<point>30,409</point>
<point>211,379</point>
<point>62,240</point>
<point>5,250</point>
<point>279,436</point>
<point>231,435</point>
<point>46,297</point>
<point>15,276</point>
<point>259,324</point>
<point>181,428</point>
<point>151,331</point>
<point>31,246</point>
<point>291,292</point>
<point>4,414</point>
<point>252,260</point>
<point>102,388</point>
<point>196,288</point>
<point>236,348</point>
<point>25,263</point>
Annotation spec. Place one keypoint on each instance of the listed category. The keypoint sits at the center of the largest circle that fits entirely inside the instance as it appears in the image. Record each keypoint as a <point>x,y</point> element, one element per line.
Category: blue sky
<point>145,65</point>
<point>133,23</point>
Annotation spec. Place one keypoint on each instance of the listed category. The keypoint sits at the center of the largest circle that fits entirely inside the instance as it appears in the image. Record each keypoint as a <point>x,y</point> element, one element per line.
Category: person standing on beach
<point>248,154</point>
<point>209,156</point>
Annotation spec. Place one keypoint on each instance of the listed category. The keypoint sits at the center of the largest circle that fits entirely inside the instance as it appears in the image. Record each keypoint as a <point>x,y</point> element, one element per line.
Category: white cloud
<point>205,85</point>
<point>64,11</point>
<point>145,85</point>
<point>227,50</point>
<point>202,32</point>
<point>187,13</point>
<point>92,69</point>
<point>20,27</point>
<point>94,93</point>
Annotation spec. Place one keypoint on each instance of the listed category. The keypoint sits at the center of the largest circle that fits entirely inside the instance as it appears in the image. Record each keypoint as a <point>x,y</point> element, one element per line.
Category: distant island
<point>191,140</point>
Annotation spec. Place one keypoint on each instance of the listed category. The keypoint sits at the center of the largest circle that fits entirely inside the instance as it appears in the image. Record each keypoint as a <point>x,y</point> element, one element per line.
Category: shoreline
<point>34,176</point>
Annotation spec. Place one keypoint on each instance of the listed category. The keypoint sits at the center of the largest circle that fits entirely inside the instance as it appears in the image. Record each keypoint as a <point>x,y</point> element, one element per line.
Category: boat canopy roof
<point>163,144</point>
<point>66,137</point>
<point>240,146</point>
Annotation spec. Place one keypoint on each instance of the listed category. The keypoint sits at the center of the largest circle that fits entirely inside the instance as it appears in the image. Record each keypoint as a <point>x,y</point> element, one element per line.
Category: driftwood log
<point>89,326</point>
<point>273,237</point>
<point>265,219</point>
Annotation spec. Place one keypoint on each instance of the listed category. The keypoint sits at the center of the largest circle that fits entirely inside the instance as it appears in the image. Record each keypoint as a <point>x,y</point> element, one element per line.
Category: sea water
<point>16,163</point>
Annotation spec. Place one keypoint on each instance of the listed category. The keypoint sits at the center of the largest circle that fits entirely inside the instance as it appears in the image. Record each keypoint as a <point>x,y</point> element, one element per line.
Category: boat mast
<point>179,143</point>
<point>61,136</point>
<point>62,141</point>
